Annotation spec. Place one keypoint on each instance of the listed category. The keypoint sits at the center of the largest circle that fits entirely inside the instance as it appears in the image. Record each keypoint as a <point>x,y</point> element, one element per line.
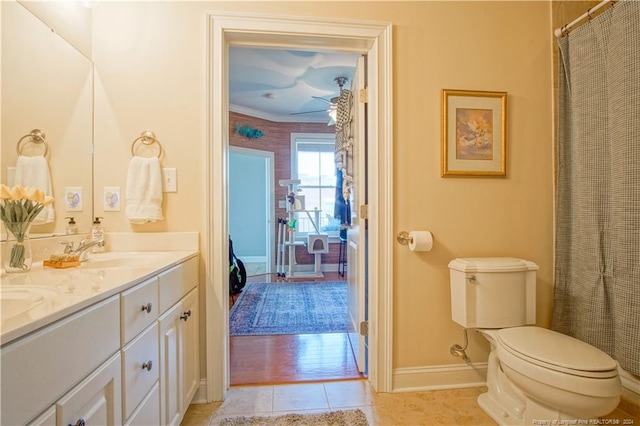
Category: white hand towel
<point>34,171</point>
<point>144,190</point>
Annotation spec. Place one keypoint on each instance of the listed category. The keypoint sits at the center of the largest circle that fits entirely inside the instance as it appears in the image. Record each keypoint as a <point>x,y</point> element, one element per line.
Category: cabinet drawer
<point>176,282</point>
<point>140,368</point>
<point>139,308</point>
<point>37,369</point>
<point>148,413</point>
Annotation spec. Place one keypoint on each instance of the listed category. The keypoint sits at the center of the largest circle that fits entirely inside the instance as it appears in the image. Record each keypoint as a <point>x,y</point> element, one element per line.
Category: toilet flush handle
<point>472,278</point>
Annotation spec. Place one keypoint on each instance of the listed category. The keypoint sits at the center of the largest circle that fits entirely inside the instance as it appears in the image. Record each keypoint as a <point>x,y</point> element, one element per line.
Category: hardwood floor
<point>291,358</point>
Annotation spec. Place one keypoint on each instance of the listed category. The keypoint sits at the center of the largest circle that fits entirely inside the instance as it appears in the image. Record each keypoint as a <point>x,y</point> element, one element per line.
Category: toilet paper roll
<point>420,241</point>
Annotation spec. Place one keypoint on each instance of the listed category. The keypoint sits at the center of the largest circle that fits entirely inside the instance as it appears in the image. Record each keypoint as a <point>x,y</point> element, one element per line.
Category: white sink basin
<point>17,300</point>
<point>122,260</point>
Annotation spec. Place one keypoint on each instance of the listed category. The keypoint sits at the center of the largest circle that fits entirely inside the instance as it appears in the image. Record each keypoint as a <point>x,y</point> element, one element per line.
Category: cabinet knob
<point>147,365</point>
<point>80,422</point>
<point>147,307</point>
<point>185,315</point>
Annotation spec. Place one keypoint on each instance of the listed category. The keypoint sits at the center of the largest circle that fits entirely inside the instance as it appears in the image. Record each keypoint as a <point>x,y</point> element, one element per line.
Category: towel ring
<point>147,138</point>
<point>35,136</point>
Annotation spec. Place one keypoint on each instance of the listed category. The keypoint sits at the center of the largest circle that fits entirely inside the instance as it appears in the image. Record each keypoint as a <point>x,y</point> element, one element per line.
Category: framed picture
<point>474,133</point>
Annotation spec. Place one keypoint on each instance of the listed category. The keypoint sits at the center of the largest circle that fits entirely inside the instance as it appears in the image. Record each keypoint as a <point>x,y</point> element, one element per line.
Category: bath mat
<point>333,418</point>
<point>290,308</point>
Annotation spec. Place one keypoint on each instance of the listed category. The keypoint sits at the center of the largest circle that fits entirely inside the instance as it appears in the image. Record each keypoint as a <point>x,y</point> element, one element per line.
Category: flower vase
<point>16,254</point>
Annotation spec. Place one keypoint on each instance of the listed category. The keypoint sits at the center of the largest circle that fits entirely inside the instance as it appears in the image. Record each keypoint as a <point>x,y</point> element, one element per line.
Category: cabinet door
<point>191,349</point>
<point>96,400</point>
<point>171,378</point>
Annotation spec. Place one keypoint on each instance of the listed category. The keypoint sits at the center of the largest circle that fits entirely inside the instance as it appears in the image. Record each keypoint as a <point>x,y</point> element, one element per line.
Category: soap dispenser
<point>72,227</point>
<point>97,233</point>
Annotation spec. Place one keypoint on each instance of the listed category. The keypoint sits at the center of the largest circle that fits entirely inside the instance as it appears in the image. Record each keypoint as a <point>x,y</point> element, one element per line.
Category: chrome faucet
<point>83,249</point>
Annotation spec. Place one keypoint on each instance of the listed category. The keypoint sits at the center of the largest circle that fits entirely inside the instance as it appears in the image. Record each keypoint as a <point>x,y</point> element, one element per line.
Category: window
<point>313,162</point>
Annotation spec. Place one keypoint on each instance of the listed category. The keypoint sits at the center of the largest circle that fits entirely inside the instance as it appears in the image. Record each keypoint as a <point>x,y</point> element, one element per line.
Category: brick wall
<point>277,139</point>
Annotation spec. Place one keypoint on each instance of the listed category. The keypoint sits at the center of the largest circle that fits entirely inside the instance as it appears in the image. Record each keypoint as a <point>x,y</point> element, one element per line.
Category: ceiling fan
<point>333,102</point>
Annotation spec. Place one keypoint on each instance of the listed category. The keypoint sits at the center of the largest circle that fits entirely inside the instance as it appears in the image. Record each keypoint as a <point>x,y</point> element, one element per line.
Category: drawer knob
<point>147,307</point>
<point>80,422</point>
<point>185,316</point>
<point>147,365</point>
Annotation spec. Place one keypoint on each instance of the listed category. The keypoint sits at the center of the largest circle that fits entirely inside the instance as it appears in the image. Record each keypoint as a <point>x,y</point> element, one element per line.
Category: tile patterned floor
<point>447,407</point>
<point>441,407</point>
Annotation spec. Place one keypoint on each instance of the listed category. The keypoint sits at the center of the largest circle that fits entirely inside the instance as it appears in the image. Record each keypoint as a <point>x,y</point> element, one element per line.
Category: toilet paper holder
<point>404,238</point>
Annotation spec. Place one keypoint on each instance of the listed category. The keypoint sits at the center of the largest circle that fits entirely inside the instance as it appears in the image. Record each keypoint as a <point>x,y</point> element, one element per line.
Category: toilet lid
<point>557,351</point>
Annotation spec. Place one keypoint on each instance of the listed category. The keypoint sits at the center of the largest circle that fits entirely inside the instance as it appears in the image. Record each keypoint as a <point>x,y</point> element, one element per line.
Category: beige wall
<point>150,62</point>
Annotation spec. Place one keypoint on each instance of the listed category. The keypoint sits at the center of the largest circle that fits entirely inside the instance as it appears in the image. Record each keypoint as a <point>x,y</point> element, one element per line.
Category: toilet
<point>534,374</point>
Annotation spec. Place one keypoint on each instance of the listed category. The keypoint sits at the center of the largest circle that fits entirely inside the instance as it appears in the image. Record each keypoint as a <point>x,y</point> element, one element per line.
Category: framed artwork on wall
<point>474,133</point>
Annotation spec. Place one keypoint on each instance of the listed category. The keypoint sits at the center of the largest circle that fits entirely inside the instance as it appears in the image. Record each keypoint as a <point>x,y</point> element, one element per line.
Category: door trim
<point>370,38</point>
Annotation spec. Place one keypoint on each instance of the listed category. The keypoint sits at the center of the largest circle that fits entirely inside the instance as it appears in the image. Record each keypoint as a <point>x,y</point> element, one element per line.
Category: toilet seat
<point>556,351</point>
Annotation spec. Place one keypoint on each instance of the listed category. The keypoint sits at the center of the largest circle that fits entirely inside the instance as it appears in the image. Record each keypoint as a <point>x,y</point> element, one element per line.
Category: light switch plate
<point>169,180</point>
<point>111,198</point>
<point>73,198</point>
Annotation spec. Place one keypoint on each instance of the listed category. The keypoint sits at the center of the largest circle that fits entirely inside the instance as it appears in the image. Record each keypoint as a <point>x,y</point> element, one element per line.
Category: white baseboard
<point>252,259</point>
<point>201,394</point>
<point>439,377</point>
<point>463,376</point>
<point>325,267</point>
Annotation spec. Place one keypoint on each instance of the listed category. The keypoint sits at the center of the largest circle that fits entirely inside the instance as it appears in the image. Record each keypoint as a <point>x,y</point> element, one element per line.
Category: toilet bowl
<point>538,374</point>
<point>534,375</point>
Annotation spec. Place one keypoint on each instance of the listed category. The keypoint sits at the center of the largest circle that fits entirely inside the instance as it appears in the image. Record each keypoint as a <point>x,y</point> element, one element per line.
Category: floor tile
<point>247,400</point>
<point>432,408</point>
<point>309,396</point>
<point>348,393</point>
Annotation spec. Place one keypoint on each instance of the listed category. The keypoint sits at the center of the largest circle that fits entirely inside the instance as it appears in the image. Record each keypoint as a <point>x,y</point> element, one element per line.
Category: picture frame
<point>474,133</point>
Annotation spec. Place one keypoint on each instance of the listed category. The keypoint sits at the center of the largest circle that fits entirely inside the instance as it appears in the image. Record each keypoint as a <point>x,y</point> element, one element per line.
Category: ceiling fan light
<point>333,113</point>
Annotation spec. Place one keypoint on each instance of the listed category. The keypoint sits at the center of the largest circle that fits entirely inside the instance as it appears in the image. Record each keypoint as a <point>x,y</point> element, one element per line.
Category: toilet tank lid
<point>492,264</point>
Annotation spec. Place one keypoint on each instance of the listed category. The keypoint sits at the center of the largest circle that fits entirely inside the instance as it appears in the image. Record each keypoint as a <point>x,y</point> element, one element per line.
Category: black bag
<point>237,272</point>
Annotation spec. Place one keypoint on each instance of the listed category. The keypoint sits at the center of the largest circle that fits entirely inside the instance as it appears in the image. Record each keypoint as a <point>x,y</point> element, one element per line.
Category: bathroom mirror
<point>47,84</point>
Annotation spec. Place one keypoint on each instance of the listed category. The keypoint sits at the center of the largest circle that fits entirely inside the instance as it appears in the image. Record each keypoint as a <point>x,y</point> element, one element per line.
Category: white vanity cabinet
<point>154,360</point>
<point>123,360</point>
<point>40,368</point>
<point>140,367</point>
<point>179,354</point>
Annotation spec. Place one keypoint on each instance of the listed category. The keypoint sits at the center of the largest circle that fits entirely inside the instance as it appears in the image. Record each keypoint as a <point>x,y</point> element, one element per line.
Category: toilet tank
<point>493,292</point>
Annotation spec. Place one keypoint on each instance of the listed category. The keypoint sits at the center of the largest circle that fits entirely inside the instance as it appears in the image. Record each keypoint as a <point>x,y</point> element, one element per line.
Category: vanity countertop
<point>44,295</point>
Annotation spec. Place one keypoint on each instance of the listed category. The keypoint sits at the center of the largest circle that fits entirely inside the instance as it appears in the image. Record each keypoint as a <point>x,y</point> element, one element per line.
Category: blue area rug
<point>290,308</point>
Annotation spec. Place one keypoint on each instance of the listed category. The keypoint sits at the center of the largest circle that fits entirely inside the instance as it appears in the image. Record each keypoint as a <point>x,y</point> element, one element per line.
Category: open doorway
<point>372,39</point>
<point>279,340</point>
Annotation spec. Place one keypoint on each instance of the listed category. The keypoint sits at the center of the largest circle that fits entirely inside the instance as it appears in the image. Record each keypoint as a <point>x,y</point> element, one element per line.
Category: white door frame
<point>271,197</point>
<point>304,33</point>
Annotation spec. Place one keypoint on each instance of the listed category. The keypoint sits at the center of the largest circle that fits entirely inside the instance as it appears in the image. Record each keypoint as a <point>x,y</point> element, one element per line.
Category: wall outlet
<point>111,198</point>
<point>169,180</point>
<point>73,198</point>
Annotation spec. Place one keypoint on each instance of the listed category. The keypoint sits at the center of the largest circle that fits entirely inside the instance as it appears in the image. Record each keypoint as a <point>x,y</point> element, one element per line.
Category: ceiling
<point>274,84</point>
